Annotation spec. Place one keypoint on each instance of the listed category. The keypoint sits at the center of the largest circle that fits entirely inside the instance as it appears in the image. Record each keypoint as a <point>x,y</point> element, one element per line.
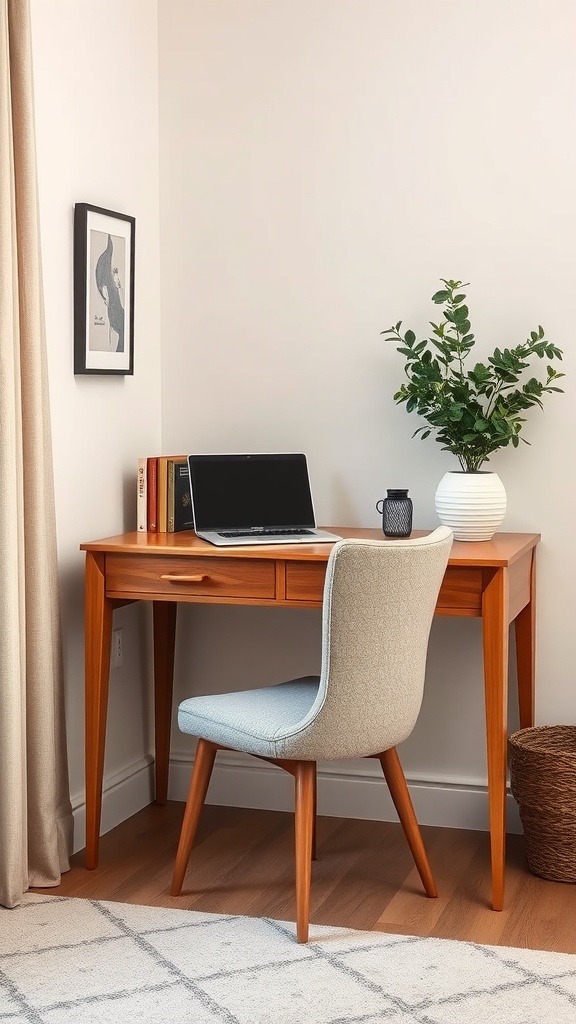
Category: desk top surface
<point>502,550</point>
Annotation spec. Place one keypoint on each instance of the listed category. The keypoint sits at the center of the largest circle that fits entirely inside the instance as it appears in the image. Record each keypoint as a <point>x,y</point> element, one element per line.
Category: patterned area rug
<point>65,961</point>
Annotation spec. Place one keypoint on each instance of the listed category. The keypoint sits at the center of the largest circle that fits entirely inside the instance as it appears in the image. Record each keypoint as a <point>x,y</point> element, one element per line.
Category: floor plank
<point>364,877</point>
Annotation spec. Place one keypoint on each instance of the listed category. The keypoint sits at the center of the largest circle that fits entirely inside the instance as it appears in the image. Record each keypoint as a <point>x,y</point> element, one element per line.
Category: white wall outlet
<point>117,648</point>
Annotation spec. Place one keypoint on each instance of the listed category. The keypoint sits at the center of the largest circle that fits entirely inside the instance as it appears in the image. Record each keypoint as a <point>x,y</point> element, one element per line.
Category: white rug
<point>66,961</point>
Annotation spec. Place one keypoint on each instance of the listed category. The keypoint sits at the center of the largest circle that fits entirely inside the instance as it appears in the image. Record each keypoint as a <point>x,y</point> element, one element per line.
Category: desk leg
<point>525,630</point>
<point>164,615</point>
<point>98,635</point>
<point>495,642</point>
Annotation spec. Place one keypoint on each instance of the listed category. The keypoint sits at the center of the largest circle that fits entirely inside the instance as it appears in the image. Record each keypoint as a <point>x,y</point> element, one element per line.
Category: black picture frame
<point>103,291</point>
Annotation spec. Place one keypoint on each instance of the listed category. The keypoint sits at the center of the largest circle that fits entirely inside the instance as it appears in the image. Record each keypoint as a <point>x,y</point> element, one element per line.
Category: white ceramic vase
<point>473,505</point>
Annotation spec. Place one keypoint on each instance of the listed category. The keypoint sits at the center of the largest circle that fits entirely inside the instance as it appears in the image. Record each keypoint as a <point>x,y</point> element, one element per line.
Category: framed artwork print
<point>103,291</point>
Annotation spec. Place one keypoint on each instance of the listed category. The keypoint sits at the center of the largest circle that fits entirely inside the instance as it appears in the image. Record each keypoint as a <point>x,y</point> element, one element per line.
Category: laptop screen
<point>250,491</point>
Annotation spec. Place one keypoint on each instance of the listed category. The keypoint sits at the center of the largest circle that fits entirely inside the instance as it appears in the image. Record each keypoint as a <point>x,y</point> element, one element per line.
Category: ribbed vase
<point>473,505</point>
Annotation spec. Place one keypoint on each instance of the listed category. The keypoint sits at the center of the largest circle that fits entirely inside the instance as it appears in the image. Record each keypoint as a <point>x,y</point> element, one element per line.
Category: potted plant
<point>471,411</point>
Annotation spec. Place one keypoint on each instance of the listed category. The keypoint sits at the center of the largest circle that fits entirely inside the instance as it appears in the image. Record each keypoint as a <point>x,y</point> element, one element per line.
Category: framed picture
<point>103,291</point>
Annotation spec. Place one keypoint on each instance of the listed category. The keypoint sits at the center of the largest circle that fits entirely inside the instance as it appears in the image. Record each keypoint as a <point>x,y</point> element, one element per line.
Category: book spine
<point>170,497</point>
<point>176,467</point>
<point>162,488</point>
<point>141,496</point>
<point>183,518</point>
<point>152,495</point>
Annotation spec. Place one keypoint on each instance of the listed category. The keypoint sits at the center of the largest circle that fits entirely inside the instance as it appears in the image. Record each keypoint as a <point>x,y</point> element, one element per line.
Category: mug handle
<point>379,503</point>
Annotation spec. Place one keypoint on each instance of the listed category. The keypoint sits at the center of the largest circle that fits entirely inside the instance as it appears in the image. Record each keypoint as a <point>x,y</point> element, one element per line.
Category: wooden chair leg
<point>203,764</point>
<point>396,780</point>
<point>305,785</point>
<point>314,815</point>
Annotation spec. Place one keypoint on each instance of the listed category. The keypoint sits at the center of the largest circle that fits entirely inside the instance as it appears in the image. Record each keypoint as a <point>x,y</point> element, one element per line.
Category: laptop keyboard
<point>267,533</point>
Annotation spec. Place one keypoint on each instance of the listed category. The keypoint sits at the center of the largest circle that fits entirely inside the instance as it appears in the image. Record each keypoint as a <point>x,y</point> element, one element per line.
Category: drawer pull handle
<point>174,578</point>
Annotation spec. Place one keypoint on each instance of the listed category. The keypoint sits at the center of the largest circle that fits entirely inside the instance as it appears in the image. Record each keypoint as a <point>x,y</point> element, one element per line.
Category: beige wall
<point>322,166</point>
<point>96,88</point>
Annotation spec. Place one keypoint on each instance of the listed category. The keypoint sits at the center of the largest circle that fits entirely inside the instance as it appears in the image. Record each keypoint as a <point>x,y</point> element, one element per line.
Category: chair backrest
<point>379,601</point>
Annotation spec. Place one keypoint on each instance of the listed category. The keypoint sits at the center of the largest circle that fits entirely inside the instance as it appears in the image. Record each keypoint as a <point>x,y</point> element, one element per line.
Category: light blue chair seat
<point>266,722</point>
<point>379,600</point>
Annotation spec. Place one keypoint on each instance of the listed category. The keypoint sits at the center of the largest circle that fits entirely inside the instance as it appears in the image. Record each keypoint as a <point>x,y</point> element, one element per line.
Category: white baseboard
<point>123,793</point>
<point>343,791</point>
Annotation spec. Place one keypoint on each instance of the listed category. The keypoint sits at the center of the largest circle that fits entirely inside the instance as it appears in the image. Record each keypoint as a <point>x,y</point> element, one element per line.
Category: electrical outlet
<point>117,648</point>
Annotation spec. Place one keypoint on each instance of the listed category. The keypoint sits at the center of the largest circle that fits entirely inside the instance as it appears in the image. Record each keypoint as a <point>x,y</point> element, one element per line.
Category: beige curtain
<point>35,812</point>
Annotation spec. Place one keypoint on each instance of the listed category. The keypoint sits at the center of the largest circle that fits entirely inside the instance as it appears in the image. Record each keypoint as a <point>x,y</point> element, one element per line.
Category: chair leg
<point>305,785</point>
<point>203,764</point>
<point>396,780</point>
<point>314,815</point>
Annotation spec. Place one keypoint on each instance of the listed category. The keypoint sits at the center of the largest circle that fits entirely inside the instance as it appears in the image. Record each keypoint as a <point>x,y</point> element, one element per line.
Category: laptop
<point>253,499</point>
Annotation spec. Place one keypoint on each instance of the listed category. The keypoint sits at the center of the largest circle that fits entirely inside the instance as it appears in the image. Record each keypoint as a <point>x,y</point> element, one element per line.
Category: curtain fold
<point>35,811</point>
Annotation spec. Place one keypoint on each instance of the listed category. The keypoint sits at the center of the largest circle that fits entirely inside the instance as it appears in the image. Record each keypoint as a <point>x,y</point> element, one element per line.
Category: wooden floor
<point>364,877</point>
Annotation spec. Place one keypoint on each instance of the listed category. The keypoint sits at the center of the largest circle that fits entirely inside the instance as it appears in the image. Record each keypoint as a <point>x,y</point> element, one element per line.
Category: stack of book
<point>163,503</point>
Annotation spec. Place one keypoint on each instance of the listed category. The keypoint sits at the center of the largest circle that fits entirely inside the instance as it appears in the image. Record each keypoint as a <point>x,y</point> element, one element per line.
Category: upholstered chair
<point>379,600</point>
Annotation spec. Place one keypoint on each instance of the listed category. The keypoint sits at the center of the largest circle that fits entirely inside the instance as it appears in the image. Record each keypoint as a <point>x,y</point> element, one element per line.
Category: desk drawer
<point>305,581</point>
<point>130,575</point>
<point>461,591</point>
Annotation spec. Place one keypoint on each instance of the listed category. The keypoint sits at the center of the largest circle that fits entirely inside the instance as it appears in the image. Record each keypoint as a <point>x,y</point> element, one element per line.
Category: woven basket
<point>543,781</point>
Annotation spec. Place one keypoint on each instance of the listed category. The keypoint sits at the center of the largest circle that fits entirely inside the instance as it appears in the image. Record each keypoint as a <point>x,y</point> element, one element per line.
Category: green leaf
<point>440,297</point>
<point>410,338</point>
<point>461,314</point>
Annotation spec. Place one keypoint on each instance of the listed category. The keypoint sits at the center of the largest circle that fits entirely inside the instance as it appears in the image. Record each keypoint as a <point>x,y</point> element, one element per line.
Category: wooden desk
<point>494,580</point>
